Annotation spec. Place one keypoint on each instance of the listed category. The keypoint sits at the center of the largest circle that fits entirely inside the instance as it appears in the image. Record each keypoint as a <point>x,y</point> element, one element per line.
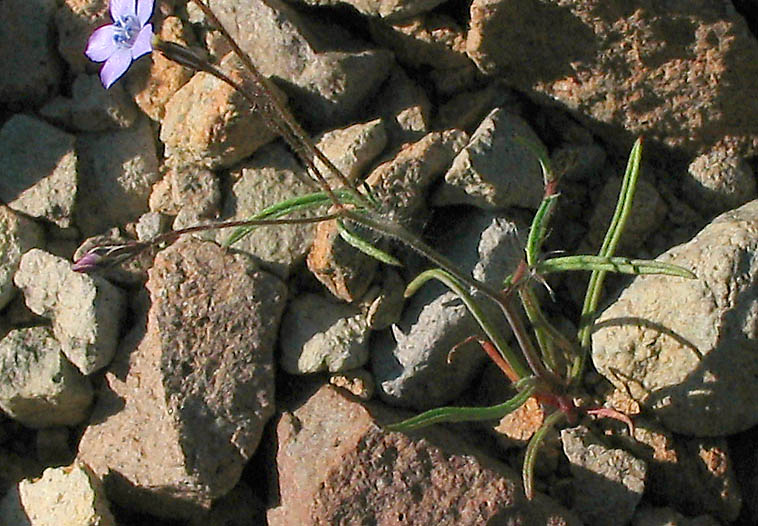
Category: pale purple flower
<point>126,39</point>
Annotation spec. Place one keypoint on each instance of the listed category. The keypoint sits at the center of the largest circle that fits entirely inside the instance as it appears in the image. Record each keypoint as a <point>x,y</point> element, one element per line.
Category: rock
<point>616,67</point>
<point>694,475</point>
<point>75,21</point>
<point>183,406</point>
<point>274,175</point>
<point>467,109</point>
<point>494,170</point>
<point>578,162</point>
<point>718,181</point>
<point>153,83</point>
<point>334,463</point>
<point>327,88</point>
<point>193,188</point>
<point>39,169</point>
<point>353,148</point>
<point>608,483</point>
<point>698,378</point>
<point>425,361</point>
<point>92,108</point>
<point>650,516</point>
<point>53,447</point>
<point>240,507</point>
<point>210,123</point>
<point>86,310</point>
<point>358,382</point>
<point>150,225</point>
<point>67,496</point>
<point>400,187</point>
<point>38,386</point>
<point>118,171</point>
<point>321,335</point>
<point>646,217</point>
<point>404,108</point>
<point>385,303</point>
<point>386,9</point>
<point>430,40</point>
<point>17,236</point>
<point>27,52</point>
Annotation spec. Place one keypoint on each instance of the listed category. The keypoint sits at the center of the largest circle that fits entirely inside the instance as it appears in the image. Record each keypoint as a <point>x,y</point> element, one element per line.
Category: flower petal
<point>145,10</point>
<point>115,66</point>
<point>122,8</point>
<point>143,44</point>
<point>101,44</point>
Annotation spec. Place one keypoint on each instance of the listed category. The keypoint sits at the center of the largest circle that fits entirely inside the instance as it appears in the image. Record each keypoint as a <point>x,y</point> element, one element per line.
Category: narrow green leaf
<point>621,265</point>
<point>530,456</point>
<point>538,230</point>
<point>357,242</point>
<point>464,414</point>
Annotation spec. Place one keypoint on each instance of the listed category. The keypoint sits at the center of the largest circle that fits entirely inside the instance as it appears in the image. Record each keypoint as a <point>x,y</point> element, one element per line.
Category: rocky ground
<point>200,385</point>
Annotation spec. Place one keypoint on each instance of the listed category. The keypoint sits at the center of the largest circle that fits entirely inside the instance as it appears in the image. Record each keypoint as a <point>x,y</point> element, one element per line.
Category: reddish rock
<point>683,75</point>
<point>183,406</point>
<point>336,465</point>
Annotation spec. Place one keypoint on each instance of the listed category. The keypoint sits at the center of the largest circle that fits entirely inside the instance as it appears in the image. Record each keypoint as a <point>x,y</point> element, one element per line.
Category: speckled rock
<point>183,406</point>
<point>118,170</point>
<point>38,386</point>
<point>387,9</point>
<point>334,463</point>
<point>40,170</point>
<point>65,496</point>
<point>351,149</point>
<point>86,310</point>
<point>494,170</point>
<point>17,236</point>
<point>404,108</point>
<point>683,76</point>
<point>327,88</point>
<point>718,181</point>
<point>75,21</point>
<point>686,348</point>
<point>210,123</point>
<point>608,483</point>
<point>32,69</point>
<point>321,335</point>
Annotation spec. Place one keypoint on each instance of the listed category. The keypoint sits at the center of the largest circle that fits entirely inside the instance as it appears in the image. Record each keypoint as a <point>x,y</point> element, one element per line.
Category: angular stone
<point>404,107</point>
<point>608,483</point>
<point>425,361</point>
<point>684,77</point>
<point>32,69</point>
<point>400,187</point>
<point>92,108</point>
<point>17,236</point>
<point>39,169</point>
<point>321,335</point>
<point>335,464</point>
<point>386,9</point>
<point>358,382</point>
<point>38,386</point>
<point>685,348</point>
<point>86,310</point>
<point>352,149</point>
<point>183,406</point>
<point>327,88</point>
<point>118,171</point>
<point>210,123</point>
<point>66,496</point>
<point>494,170</point>
<point>192,188</point>
<point>656,516</point>
<point>718,181</point>
<point>75,21</point>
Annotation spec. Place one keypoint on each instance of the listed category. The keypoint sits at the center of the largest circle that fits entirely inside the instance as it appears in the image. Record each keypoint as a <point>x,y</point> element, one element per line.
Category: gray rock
<point>719,180</point>
<point>646,217</point>
<point>38,386</point>
<point>384,304</point>
<point>358,382</point>
<point>118,171</point>
<point>75,21</point>
<point>608,483</point>
<point>39,169</point>
<point>352,149</point>
<point>321,335</point>
<point>493,170</point>
<point>334,463</point>
<point>31,67</point>
<point>656,516</point>
<point>272,176</point>
<point>91,107</point>
<point>326,87</point>
<point>617,66</point>
<point>404,108</point>
<point>17,236</point>
<point>412,365</point>
<point>86,310</point>
<point>183,406</point>
<point>194,189</point>
<point>150,225</point>
<point>64,496</point>
<point>210,123</point>
<point>686,348</point>
<point>386,9</point>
